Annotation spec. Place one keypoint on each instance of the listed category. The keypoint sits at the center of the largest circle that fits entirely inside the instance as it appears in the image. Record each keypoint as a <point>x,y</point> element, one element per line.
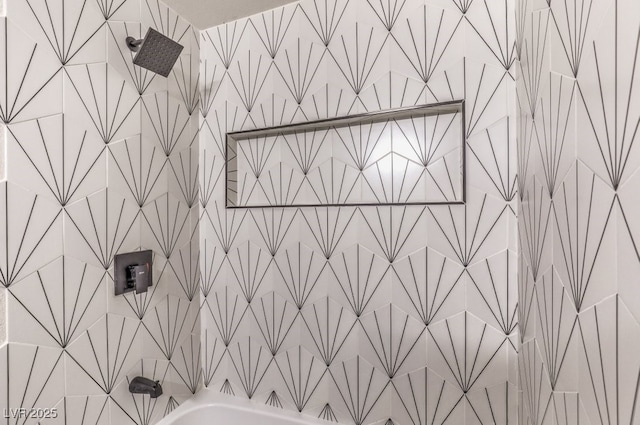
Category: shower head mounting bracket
<point>134,44</point>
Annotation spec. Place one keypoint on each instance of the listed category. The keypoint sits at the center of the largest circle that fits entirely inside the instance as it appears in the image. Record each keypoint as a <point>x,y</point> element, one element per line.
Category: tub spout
<point>141,385</point>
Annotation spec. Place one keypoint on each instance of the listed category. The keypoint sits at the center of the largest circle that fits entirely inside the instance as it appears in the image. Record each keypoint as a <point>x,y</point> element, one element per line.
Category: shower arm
<point>134,44</point>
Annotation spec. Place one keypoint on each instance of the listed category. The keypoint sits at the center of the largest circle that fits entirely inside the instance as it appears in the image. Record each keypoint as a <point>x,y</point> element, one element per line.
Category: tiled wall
<point>578,172</point>
<point>101,159</point>
<point>372,314</point>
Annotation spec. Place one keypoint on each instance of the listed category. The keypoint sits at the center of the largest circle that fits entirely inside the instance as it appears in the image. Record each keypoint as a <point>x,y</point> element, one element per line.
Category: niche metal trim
<point>455,106</point>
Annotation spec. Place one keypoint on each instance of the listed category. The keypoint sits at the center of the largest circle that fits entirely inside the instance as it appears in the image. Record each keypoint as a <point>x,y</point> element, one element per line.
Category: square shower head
<point>158,53</point>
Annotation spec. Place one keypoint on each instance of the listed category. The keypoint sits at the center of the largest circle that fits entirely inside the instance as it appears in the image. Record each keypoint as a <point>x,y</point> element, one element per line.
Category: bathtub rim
<point>209,398</point>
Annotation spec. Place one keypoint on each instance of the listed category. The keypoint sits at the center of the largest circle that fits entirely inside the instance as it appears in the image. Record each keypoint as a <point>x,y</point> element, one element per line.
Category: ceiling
<point>208,13</point>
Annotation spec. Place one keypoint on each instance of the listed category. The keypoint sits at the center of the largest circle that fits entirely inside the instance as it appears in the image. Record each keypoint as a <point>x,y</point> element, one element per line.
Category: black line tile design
<point>273,400</point>
<point>534,226</point>
<point>525,300</point>
<point>493,404</point>
<point>361,275</point>
<point>328,102</point>
<point>327,414</point>
<point>394,336</point>
<point>392,228</point>
<point>431,282</point>
<point>325,17</point>
<point>550,126</point>
<point>602,350</point>
<point>214,355</point>
<point>332,182</point>
<point>211,80</point>
<point>226,224</point>
<point>210,177</point>
<point>109,102</point>
<point>167,221</point>
<point>187,77</point>
<point>225,40</point>
<point>555,128</point>
<point>168,120</point>
<point>302,373</point>
<point>67,32</point>
<point>525,144</point>
<point>388,12</point>
<point>425,398</point>
<point>273,226</point>
<point>357,54</point>
<point>225,120</point>
<point>63,160</point>
<point>467,231</point>
<point>360,386</point>
<point>186,269</point>
<point>105,349</point>
<point>486,148</point>
<point>38,223</point>
<point>298,66</point>
<point>557,322</point>
<point>70,290</point>
<point>172,404</point>
<point>104,222</point>
<point>213,266</point>
<point>611,134</point>
<point>165,20</point>
<point>467,358</point>
<point>494,280</point>
<point>390,91</point>
<point>272,27</point>
<point>431,32</point>
<point>573,32</point>
<point>227,388</point>
<point>85,410</point>
<point>187,363</point>
<point>85,163</point>
<point>251,363</point>
<point>227,310</point>
<point>24,60</point>
<point>249,266</point>
<point>329,326</point>
<point>166,323</point>
<point>533,56</point>
<point>248,77</point>
<point>581,228</point>
<point>301,270</point>
<point>328,226</point>
<point>32,376</point>
<point>534,383</point>
<point>110,7</point>
<point>486,20</point>
<point>568,408</point>
<point>276,318</point>
<point>141,166</point>
<point>185,169</point>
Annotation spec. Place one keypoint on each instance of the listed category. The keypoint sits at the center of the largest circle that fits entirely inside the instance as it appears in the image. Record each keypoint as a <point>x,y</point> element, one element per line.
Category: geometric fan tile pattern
<point>578,164</point>
<point>392,314</point>
<point>91,173</point>
<point>518,306</point>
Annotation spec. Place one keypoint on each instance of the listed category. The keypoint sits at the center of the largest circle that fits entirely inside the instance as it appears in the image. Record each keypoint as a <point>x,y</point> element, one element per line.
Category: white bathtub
<point>213,408</point>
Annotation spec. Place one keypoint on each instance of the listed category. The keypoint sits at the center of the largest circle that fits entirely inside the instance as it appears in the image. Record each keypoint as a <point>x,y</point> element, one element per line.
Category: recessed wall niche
<point>405,156</point>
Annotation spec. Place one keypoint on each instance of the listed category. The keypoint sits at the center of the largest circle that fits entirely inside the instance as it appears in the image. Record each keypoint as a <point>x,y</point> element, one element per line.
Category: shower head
<point>156,52</point>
